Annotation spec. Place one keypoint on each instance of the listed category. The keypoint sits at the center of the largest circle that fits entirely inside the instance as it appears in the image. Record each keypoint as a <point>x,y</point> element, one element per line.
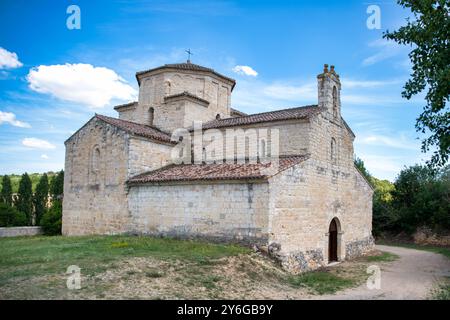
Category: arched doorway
<point>333,241</point>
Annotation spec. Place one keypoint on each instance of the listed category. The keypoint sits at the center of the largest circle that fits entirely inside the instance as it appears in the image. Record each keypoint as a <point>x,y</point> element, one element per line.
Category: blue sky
<point>49,74</point>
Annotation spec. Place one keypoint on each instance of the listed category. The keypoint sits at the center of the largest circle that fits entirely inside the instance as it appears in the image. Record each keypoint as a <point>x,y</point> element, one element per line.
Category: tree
<point>10,217</point>
<point>429,34</point>
<point>359,163</point>
<point>24,201</point>
<point>421,198</point>
<point>52,219</point>
<point>6,194</point>
<point>40,198</point>
<point>57,185</point>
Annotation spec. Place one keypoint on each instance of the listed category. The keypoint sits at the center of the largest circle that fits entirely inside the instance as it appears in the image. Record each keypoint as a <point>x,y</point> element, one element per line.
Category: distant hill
<point>15,179</point>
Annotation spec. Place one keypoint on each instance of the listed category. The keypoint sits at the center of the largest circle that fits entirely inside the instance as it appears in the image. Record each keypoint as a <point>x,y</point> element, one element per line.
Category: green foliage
<point>40,198</point>
<point>421,199</point>
<point>428,34</point>
<point>6,193</point>
<point>51,221</point>
<point>359,163</point>
<point>57,185</point>
<point>10,217</point>
<point>24,201</point>
<point>384,217</point>
<point>35,177</point>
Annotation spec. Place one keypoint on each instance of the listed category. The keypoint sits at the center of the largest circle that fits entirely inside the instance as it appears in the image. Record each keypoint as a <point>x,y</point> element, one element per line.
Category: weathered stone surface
<point>289,213</point>
<point>20,231</point>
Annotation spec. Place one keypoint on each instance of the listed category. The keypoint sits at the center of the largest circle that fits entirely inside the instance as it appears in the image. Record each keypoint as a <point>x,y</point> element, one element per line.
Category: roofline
<point>186,181</point>
<point>348,127</point>
<point>125,105</point>
<point>140,73</point>
<point>82,127</point>
<point>363,176</point>
<point>188,95</point>
<point>262,121</point>
<point>130,133</point>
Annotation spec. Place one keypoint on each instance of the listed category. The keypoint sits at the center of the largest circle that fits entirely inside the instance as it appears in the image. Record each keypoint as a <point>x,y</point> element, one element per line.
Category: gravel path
<point>412,276</point>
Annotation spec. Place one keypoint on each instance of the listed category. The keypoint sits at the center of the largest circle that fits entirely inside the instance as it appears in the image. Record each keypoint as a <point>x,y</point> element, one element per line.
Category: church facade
<point>180,162</point>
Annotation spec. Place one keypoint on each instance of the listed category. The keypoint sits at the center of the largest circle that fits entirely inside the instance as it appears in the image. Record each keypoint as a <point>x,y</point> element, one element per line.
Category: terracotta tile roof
<point>210,172</point>
<point>186,66</point>
<point>125,105</point>
<point>188,95</point>
<point>285,114</point>
<point>138,129</point>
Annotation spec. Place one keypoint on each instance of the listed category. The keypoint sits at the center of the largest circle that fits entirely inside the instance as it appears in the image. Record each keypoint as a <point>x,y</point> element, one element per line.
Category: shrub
<point>52,220</point>
<point>10,217</point>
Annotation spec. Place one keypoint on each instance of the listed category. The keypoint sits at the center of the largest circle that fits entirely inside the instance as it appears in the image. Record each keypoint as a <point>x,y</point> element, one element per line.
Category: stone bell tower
<point>329,91</point>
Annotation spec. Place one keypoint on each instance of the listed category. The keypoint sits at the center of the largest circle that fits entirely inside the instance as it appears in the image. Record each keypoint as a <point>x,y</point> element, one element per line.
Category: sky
<point>54,78</point>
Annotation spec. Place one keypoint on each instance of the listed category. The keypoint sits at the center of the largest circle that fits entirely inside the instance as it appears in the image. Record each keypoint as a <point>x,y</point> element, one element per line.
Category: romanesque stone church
<point>181,162</point>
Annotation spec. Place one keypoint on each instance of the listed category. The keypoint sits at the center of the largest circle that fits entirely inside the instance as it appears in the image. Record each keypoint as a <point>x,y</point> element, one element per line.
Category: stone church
<point>181,162</point>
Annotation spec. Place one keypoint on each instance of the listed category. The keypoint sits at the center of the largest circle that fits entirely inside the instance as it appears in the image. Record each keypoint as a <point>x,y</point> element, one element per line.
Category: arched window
<point>218,116</point>
<point>95,161</point>
<point>333,150</point>
<point>335,102</point>
<point>151,116</point>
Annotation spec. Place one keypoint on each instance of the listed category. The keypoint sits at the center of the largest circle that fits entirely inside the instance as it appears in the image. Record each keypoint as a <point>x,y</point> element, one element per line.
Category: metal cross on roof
<point>188,51</point>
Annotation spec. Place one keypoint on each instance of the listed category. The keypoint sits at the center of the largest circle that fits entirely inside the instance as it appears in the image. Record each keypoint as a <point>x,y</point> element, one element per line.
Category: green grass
<point>445,251</point>
<point>320,282</point>
<point>383,257</point>
<point>35,256</point>
<point>443,291</point>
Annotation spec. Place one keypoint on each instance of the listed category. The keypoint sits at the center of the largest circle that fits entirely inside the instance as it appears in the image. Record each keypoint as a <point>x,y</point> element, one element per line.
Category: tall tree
<point>57,185</point>
<point>40,198</point>
<point>24,200</point>
<point>6,194</point>
<point>429,33</point>
<point>359,163</point>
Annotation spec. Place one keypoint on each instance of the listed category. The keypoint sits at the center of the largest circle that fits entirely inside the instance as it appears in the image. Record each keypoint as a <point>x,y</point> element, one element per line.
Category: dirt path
<point>412,276</point>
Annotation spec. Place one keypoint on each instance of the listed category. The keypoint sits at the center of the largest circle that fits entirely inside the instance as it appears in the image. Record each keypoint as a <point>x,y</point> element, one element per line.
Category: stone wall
<point>225,211</point>
<point>20,231</point>
<point>304,199</point>
<point>96,169</point>
<point>145,155</point>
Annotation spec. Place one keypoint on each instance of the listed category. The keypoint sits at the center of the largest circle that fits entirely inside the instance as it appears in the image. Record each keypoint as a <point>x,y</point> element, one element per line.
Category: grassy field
<point>126,267</point>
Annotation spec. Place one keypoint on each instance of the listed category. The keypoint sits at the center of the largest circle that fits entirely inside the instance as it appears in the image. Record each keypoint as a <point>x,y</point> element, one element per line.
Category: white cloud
<point>10,118</point>
<point>44,156</point>
<point>245,70</point>
<point>36,143</point>
<point>9,60</point>
<point>352,83</point>
<point>81,83</point>
<point>400,142</point>
<point>386,50</point>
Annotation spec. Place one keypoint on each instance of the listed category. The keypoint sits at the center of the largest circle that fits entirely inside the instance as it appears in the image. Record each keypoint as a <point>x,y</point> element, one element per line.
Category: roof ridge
<point>138,129</point>
<point>279,110</point>
<point>134,123</point>
<point>187,66</point>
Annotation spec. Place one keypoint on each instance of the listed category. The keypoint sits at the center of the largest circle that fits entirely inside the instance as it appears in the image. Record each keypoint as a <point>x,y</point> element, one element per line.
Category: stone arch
<point>151,115</point>
<point>95,159</point>
<point>334,240</point>
<point>333,150</point>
